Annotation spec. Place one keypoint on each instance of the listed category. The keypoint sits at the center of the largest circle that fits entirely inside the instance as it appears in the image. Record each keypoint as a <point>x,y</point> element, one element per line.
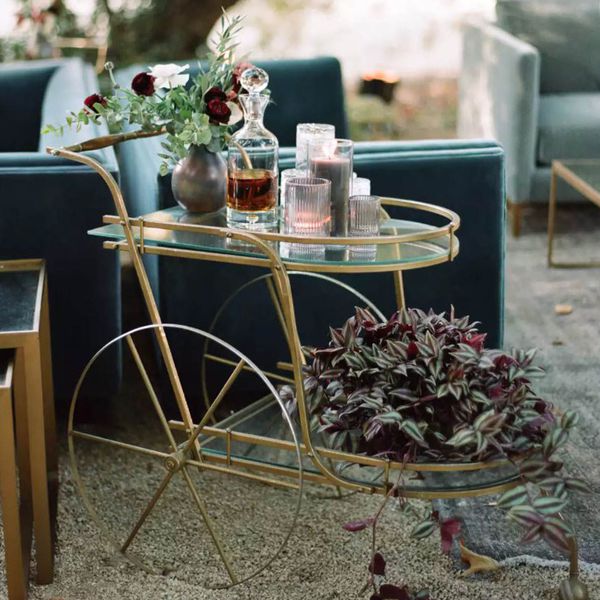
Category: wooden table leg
<point>42,519</point>
<point>23,462</point>
<point>16,571</point>
<point>49,411</point>
<point>551,217</point>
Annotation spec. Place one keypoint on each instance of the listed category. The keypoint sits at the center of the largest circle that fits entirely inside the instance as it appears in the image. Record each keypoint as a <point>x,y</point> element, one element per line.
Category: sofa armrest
<point>498,98</point>
<point>38,161</point>
<point>47,205</point>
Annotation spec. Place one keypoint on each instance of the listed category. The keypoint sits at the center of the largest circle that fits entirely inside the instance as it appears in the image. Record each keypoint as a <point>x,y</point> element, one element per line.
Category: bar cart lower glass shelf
<point>256,440</point>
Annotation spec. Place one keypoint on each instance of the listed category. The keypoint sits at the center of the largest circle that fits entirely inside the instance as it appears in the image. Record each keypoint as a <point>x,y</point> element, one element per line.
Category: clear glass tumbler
<point>307,213</point>
<point>364,222</point>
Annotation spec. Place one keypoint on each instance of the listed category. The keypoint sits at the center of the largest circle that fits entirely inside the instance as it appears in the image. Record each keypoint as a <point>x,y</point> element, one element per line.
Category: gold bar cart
<point>211,443</point>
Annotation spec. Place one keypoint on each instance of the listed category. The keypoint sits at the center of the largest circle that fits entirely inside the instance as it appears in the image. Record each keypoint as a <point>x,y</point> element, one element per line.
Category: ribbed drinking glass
<point>307,213</point>
<point>364,222</point>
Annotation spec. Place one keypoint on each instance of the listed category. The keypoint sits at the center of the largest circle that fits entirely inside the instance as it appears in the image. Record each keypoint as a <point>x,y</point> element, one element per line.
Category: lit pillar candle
<point>332,160</point>
<point>307,133</point>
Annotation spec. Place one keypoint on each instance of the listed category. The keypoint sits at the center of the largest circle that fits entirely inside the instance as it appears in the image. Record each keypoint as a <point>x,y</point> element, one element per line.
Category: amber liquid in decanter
<point>252,190</point>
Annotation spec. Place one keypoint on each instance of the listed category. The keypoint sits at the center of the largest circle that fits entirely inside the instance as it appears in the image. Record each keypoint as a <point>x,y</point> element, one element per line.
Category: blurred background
<point>400,58</point>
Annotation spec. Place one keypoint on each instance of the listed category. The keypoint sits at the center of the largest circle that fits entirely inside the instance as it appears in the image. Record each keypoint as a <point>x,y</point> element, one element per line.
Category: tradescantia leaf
<point>449,529</point>
<point>569,419</point>
<point>377,566</point>
<point>462,438</point>
<point>534,469</point>
<point>514,497</point>
<point>525,515</point>
<point>578,485</point>
<point>390,417</point>
<point>358,525</point>
<point>556,532</point>
<point>423,530</point>
<point>554,440</point>
<point>392,592</point>
<point>533,533</point>
<point>549,505</point>
<point>412,429</point>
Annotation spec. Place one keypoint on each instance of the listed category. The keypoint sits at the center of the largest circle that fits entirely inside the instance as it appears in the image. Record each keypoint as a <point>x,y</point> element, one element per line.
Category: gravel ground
<point>321,560</point>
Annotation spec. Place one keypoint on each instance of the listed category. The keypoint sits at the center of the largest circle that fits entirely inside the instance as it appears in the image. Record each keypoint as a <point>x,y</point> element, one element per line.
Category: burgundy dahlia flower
<point>143,84</point>
<point>94,99</point>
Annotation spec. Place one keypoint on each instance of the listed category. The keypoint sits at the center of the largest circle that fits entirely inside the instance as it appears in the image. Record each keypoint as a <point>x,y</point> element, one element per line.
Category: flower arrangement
<point>167,101</point>
<point>423,387</point>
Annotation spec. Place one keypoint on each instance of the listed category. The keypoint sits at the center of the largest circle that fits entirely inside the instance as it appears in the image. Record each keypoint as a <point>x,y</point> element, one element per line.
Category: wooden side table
<point>16,507</point>
<point>584,176</point>
<point>24,327</point>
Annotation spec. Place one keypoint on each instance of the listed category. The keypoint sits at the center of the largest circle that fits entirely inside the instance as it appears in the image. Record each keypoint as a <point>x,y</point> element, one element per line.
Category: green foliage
<point>179,111</point>
<point>422,387</point>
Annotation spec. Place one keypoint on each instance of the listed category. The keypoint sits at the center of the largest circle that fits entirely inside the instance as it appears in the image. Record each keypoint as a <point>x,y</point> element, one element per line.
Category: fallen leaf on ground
<point>477,562</point>
<point>563,309</point>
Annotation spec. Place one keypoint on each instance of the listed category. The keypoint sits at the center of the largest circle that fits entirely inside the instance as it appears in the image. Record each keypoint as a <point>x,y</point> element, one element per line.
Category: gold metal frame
<point>194,453</point>
<point>562,170</point>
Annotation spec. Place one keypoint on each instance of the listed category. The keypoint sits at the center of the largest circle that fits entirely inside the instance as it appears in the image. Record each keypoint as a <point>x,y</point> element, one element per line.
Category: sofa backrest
<point>304,91</point>
<point>22,88</point>
<point>567,36</point>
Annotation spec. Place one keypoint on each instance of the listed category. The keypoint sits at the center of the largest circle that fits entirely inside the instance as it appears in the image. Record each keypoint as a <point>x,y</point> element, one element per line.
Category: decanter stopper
<point>254,80</point>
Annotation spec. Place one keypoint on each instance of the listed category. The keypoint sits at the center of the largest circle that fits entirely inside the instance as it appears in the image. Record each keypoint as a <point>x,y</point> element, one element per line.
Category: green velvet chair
<point>532,81</point>
<point>47,205</point>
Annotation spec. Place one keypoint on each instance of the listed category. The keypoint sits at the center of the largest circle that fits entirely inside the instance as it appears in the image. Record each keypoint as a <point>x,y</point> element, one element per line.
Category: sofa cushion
<point>22,87</point>
<point>566,35</point>
<point>569,127</point>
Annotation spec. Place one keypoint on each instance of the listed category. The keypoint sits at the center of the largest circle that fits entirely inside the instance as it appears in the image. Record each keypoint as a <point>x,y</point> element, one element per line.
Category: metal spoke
<point>161,488</point>
<point>277,306</point>
<point>226,361</point>
<point>213,407</point>
<point>209,525</point>
<point>151,392</point>
<point>117,444</point>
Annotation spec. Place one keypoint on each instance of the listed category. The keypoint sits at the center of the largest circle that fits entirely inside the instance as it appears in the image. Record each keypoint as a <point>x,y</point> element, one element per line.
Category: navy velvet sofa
<point>47,205</point>
<point>465,176</point>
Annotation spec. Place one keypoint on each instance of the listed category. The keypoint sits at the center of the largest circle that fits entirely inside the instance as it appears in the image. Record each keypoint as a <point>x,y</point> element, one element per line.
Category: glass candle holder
<point>307,132</point>
<point>364,222</point>
<point>332,159</point>
<point>360,186</point>
<point>307,213</point>
<point>286,175</point>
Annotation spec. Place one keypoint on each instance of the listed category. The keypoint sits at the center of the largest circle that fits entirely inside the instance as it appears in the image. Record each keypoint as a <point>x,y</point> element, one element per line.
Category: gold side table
<point>15,502</point>
<point>584,176</point>
<point>24,327</point>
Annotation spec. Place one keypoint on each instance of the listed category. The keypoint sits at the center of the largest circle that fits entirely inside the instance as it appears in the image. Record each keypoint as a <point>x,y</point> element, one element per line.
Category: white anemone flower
<point>169,76</point>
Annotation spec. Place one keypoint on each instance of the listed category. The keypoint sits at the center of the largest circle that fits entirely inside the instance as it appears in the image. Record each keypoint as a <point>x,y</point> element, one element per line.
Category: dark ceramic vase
<point>199,181</point>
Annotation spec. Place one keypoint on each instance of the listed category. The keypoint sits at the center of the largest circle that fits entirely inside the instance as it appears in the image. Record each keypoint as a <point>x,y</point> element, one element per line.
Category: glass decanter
<point>253,153</point>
